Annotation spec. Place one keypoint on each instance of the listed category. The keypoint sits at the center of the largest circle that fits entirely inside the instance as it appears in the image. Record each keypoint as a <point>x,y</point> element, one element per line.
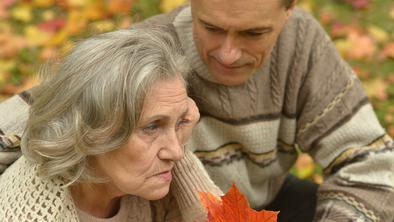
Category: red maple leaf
<point>233,207</point>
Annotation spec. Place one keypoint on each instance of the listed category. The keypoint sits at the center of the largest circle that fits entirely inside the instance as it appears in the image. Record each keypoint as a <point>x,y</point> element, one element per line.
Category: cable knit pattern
<point>252,92</point>
<point>325,112</point>
<point>24,196</point>
<point>296,66</point>
<point>275,87</point>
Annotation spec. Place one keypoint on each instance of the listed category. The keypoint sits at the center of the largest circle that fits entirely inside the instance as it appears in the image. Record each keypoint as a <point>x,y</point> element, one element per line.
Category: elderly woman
<point>105,136</point>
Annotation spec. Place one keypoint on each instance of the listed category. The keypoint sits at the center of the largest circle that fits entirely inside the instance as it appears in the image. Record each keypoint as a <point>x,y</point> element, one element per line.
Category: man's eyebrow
<point>207,23</point>
<point>258,29</point>
<point>253,29</point>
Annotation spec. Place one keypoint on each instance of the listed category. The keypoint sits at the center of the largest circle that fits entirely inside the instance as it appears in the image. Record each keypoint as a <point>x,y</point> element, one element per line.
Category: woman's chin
<point>156,194</point>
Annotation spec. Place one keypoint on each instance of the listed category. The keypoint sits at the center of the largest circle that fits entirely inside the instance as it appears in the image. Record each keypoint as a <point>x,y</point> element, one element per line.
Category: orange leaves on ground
<point>376,88</point>
<point>120,6</point>
<point>10,44</point>
<point>388,50</point>
<point>233,207</point>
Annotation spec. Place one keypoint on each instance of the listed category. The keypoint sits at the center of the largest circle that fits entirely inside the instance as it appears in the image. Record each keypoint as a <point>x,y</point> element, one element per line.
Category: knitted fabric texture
<point>303,96</point>
<point>24,196</point>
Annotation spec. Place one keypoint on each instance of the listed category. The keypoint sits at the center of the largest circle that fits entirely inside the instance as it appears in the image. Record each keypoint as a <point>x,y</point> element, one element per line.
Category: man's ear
<point>289,9</point>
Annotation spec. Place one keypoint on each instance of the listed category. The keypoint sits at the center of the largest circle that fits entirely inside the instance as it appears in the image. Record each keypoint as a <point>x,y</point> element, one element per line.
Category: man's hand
<point>193,116</point>
<point>9,150</point>
<point>7,158</point>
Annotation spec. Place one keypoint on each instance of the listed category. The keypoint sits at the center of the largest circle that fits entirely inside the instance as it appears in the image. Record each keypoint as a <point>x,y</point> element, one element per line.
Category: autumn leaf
<point>52,25</point>
<point>378,34</point>
<point>388,50</point>
<point>233,207</point>
<point>376,88</point>
<point>168,5</point>
<point>359,4</point>
<point>120,6</point>
<point>304,166</point>
<point>22,13</point>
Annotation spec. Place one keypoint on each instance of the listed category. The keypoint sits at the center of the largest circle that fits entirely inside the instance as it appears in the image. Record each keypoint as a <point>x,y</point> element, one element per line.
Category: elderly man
<point>268,81</point>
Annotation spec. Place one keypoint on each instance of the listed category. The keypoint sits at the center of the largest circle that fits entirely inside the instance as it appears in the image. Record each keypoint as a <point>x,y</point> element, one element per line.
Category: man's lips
<point>229,66</point>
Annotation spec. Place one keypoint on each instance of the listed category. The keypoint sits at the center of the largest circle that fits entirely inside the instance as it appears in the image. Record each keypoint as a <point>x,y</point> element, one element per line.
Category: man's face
<point>234,37</point>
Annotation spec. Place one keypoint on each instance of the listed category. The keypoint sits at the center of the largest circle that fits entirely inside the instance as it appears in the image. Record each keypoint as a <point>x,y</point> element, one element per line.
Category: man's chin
<point>229,81</point>
<point>231,78</point>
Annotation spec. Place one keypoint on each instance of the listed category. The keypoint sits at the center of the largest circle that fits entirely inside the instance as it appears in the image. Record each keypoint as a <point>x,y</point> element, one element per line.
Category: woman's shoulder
<point>25,195</point>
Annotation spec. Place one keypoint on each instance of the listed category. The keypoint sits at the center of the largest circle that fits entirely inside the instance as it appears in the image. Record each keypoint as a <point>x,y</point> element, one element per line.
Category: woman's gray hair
<point>91,102</point>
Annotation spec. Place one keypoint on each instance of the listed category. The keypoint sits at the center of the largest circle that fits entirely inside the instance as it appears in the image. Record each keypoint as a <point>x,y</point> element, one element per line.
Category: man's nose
<point>172,148</point>
<point>229,52</point>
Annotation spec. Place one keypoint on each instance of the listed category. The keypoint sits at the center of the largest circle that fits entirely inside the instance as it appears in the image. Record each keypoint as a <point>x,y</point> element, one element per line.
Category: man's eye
<point>212,29</point>
<point>254,34</point>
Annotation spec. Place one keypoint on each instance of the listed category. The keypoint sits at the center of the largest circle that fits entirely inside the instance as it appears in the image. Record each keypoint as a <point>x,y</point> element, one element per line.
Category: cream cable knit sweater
<point>24,196</point>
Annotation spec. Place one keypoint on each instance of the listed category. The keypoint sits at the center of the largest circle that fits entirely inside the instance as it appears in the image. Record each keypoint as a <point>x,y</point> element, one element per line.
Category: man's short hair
<point>289,3</point>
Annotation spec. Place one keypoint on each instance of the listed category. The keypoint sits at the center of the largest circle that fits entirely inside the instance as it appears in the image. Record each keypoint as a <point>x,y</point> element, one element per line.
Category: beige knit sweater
<point>24,196</point>
<point>304,96</point>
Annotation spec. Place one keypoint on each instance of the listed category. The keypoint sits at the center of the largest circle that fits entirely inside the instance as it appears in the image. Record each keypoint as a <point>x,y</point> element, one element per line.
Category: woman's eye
<point>182,122</point>
<point>151,128</point>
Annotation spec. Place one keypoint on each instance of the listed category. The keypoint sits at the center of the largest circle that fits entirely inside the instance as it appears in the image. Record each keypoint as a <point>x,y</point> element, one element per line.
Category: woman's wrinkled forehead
<point>166,97</point>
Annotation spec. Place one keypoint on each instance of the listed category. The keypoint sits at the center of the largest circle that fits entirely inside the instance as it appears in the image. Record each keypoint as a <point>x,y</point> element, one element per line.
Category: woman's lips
<point>166,176</point>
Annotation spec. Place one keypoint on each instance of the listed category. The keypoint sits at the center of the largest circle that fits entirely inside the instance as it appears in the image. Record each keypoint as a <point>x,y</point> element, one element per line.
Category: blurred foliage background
<point>33,31</point>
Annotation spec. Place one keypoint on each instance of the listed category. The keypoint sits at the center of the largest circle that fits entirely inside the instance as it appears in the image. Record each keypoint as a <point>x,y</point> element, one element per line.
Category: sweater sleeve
<point>337,126</point>
<point>13,115</point>
<point>190,178</point>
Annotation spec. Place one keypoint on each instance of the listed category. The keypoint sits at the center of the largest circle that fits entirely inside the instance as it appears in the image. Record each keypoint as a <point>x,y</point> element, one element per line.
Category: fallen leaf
<point>378,33</point>
<point>340,30</point>
<point>363,46</point>
<point>359,4</point>
<point>48,53</point>
<point>304,166</point>
<point>43,3</point>
<point>389,118</point>
<point>48,15</point>
<point>36,37</point>
<point>8,3</point>
<point>318,178</point>
<point>102,26</point>
<point>10,44</point>
<point>125,22</point>
<point>388,50</point>
<point>120,6</point>
<point>391,131</point>
<point>376,88</point>
<point>3,12</point>
<point>95,11</point>
<point>76,22</point>
<point>168,5</point>
<point>22,13</point>
<point>77,3</point>
<point>233,207</point>
<point>52,25</point>
<point>392,13</point>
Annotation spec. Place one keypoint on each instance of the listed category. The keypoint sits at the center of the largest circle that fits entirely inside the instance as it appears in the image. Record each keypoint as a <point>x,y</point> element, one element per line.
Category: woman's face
<point>143,165</point>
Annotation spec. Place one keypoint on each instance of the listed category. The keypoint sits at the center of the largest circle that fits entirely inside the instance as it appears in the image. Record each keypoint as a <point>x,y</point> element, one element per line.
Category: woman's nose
<point>172,149</point>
